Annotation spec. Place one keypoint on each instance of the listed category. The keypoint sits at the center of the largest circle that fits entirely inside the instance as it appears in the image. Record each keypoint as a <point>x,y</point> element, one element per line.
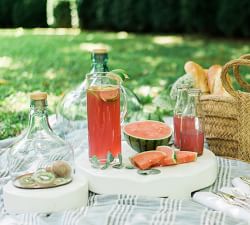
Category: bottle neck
<point>191,109</point>
<point>181,101</point>
<point>38,118</point>
<point>99,63</point>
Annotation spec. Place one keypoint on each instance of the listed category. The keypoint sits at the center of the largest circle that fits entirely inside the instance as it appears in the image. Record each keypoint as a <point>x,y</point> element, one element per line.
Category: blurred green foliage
<point>57,60</point>
<point>29,13</point>
<point>216,17</point>
<point>233,18</point>
<point>6,11</point>
<point>62,14</point>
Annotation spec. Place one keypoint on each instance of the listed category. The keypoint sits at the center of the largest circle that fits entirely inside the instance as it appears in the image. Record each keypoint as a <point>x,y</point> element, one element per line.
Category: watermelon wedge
<point>185,156</point>
<point>170,158</point>
<point>146,160</point>
<point>176,157</point>
<point>147,135</point>
<point>162,156</point>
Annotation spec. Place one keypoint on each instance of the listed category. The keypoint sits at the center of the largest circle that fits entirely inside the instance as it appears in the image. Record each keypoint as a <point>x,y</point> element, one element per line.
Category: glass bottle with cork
<point>40,159</point>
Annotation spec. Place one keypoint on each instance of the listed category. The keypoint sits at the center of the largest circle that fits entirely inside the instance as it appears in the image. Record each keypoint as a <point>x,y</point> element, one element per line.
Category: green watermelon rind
<point>142,145</point>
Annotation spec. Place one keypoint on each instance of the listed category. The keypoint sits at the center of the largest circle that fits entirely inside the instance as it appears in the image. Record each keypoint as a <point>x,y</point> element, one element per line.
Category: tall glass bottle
<point>100,64</point>
<point>40,159</point>
<point>181,102</point>
<point>192,134</point>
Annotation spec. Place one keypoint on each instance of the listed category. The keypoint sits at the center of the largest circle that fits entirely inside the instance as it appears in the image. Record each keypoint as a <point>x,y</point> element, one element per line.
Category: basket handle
<point>242,83</point>
<point>243,61</point>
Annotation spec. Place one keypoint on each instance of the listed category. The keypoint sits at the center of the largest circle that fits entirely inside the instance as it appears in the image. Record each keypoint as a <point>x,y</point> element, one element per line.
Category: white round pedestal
<point>72,195</point>
<point>177,181</point>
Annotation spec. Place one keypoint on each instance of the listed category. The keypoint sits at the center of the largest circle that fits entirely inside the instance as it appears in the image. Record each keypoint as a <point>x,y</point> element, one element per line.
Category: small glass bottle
<point>192,134</point>
<point>40,159</point>
<point>180,105</point>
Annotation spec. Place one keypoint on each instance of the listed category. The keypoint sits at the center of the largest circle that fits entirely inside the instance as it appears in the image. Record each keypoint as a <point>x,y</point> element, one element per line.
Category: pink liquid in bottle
<point>177,131</point>
<point>104,131</point>
<point>192,138</point>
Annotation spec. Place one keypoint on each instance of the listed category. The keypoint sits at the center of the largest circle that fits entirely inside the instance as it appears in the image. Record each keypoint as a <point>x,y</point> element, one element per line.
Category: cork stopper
<point>38,96</point>
<point>100,50</point>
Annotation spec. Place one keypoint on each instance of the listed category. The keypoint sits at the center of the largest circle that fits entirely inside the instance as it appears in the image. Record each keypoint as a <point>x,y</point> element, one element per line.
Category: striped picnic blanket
<point>136,210</point>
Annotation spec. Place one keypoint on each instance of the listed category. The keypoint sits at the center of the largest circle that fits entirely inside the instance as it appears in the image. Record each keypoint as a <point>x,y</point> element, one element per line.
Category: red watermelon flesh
<point>146,160</point>
<point>163,156</point>
<point>185,156</point>
<point>170,158</point>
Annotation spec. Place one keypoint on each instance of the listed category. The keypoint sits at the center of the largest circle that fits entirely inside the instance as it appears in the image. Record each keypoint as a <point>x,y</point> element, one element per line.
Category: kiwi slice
<point>26,181</point>
<point>44,178</point>
<point>61,181</point>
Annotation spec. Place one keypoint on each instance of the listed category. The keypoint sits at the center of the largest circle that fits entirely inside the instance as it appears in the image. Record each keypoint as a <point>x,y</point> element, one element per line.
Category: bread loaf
<point>214,81</point>
<point>199,75</point>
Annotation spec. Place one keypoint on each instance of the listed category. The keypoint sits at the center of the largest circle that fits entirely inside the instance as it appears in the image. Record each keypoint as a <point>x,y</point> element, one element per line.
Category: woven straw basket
<point>226,120</point>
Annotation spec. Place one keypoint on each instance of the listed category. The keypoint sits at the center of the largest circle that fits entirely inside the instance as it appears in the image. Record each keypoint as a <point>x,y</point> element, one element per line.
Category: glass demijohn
<point>40,159</point>
<point>181,102</point>
<point>72,112</point>
<point>192,135</point>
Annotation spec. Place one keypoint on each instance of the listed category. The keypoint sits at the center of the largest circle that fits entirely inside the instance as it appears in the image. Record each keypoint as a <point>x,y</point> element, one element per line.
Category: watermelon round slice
<point>185,156</point>
<point>146,160</point>
<point>147,135</point>
<point>170,158</point>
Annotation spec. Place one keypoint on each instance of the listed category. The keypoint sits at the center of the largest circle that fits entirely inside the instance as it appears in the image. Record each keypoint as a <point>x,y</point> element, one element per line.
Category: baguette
<point>214,81</point>
<point>199,75</point>
<point>214,73</point>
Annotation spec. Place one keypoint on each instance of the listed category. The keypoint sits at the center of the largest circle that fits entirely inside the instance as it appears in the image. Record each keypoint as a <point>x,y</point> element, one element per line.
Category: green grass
<point>56,60</point>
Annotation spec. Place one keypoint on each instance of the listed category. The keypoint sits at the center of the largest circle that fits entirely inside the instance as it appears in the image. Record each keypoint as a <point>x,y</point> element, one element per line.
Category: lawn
<point>56,60</point>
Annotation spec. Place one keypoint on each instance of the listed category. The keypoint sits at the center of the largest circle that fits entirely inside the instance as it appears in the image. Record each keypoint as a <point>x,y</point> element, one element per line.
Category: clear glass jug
<point>104,92</point>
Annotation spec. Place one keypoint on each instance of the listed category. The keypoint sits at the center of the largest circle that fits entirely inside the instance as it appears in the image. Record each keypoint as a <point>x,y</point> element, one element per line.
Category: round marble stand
<point>72,195</point>
<point>177,181</point>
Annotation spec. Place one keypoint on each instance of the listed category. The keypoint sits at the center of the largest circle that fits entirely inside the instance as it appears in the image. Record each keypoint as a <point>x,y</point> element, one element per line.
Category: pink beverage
<point>104,131</point>
<point>192,138</point>
<point>177,131</point>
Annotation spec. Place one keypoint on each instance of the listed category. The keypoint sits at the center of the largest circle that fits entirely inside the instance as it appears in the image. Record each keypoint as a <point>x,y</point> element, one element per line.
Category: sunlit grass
<point>55,60</point>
